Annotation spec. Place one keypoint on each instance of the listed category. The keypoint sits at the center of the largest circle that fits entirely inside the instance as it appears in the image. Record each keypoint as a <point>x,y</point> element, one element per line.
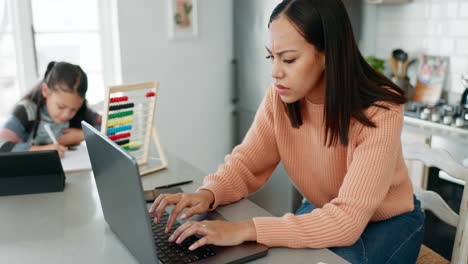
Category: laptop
<point>126,211</point>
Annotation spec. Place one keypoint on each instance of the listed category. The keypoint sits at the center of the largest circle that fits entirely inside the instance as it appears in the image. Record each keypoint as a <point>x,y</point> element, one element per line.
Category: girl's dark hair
<point>65,77</point>
<point>351,84</point>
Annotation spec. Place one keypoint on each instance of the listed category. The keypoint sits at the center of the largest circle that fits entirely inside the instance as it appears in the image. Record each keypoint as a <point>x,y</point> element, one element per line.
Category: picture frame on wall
<point>183,20</point>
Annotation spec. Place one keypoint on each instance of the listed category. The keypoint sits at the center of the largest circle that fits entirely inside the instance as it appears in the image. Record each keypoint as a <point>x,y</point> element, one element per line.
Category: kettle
<point>464,98</point>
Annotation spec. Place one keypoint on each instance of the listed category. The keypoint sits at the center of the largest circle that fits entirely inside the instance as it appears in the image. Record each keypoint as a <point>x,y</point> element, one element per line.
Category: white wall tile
<point>386,45</point>
<point>387,28</point>
<point>407,28</point>
<point>414,10</point>
<point>448,84</point>
<point>433,46</point>
<point>435,27</point>
<point>437,11</point>
<point>463,11</point>
<point>462,47</point>
<point>459,64</point>
<point>456,85</point>
<point>447,46</point>
<point>458,28</point>
<point>452,10</point>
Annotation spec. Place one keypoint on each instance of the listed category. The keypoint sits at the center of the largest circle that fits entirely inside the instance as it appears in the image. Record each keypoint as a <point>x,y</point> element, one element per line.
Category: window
<point>68,30</point>
<point>35,32</point>
<point>8,78</point>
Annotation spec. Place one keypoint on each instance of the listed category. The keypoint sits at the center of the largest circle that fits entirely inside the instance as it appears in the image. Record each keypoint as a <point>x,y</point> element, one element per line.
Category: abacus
<point>128,120</point>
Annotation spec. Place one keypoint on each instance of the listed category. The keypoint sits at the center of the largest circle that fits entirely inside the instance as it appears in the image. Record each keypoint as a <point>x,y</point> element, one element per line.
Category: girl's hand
<point>218,233</point>
<point>59,148</point>
<point>71,137</point>
<point>197,203</point>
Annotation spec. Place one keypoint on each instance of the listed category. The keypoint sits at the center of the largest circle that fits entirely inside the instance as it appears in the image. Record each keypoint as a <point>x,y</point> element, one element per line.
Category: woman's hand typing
<point>220,233</point>
<point>197,203</point>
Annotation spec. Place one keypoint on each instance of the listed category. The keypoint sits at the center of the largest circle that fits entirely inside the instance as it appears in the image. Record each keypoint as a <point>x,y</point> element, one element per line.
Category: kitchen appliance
<point>450,115</point>
<point>464,98</point>
<point>399,62</point>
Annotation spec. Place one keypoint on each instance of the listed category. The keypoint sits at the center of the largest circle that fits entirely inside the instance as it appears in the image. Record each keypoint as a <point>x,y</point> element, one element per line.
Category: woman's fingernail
<point>192,247</point>
<point>183,216</point>
<point>171,238</point>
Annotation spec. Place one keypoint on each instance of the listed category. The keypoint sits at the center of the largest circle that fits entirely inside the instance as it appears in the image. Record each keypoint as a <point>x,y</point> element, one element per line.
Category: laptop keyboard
<point>170,252</point>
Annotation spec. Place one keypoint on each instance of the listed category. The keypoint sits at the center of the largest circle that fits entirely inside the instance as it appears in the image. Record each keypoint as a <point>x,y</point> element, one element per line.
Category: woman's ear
<point>44,90</point>
<point>322,59</point>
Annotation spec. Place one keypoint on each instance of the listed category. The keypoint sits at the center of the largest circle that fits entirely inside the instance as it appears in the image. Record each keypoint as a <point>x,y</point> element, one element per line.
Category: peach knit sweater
<point>365,181</point>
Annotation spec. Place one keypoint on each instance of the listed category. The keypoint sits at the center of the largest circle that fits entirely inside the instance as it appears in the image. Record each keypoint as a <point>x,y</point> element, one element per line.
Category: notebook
<point>125,209</point>
<point>76,159</point>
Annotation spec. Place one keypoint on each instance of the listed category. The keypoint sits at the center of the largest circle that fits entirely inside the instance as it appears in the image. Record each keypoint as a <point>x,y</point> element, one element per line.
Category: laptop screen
<point>121,194</point>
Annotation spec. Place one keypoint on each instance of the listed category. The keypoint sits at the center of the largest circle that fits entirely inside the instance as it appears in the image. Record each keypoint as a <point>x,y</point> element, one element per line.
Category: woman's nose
<point>276,71</point>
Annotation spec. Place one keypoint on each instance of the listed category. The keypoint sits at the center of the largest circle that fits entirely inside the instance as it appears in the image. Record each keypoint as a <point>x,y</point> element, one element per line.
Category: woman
<point>335,124</point>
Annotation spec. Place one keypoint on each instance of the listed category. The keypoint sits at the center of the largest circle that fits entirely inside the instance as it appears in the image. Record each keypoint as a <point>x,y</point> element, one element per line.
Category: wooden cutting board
<point>430,78</point>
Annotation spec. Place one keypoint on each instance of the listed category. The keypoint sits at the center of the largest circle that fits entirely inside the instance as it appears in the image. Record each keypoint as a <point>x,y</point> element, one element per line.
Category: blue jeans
<point>395,240</point>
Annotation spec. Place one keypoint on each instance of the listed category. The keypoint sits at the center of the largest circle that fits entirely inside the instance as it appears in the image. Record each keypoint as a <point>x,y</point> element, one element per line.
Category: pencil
<point>50,133</point>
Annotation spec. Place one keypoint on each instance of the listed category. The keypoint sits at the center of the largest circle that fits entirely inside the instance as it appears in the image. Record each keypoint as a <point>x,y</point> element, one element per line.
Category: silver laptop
<point>126,211</point>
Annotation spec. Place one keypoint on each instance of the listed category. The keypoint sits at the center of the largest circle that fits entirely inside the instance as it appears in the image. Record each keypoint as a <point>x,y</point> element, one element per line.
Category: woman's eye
<point>269,57</point>
<point>288,61</point>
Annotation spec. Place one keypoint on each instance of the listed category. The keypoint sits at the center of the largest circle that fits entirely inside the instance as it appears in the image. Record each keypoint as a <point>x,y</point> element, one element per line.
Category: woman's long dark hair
<point>60,76</point>
<point>351,84</point>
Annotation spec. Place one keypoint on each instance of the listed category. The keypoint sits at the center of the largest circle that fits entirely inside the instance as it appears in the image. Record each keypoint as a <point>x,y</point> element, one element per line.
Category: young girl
<point>335,124</point>
<point>58,101</point>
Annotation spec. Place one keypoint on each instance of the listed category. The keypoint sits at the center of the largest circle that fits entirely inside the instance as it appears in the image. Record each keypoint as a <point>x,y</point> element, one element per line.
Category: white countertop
<point>431,128</point>
<point>69,227</point>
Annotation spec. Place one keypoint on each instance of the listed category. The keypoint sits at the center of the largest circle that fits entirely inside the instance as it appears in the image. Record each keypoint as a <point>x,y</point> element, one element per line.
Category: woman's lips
<point>280,89</point>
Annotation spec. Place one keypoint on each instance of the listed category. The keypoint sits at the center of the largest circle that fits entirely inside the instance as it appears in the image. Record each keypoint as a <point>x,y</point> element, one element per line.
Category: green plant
<point>187,9</point>
<point>377,64</point>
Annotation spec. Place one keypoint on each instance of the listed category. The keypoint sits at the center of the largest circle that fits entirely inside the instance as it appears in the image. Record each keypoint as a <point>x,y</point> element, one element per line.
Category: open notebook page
<point>76,160</point>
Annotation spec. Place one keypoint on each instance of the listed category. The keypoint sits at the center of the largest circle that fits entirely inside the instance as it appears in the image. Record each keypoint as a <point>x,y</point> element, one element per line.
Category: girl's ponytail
<point>82,87</point>
<point>49,67</point>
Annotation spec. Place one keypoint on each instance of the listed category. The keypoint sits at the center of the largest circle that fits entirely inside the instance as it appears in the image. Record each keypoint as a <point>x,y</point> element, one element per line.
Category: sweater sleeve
<point>251,163</point>
<point>367,181</point>
<point>14,133</point>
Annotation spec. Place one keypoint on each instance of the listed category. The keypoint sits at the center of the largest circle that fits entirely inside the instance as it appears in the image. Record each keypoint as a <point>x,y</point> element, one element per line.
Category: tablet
<point>31,172</point>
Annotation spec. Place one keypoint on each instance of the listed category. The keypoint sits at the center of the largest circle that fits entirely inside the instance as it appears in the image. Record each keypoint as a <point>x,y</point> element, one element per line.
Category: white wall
<point>435,27</point>
<point>193,111</point>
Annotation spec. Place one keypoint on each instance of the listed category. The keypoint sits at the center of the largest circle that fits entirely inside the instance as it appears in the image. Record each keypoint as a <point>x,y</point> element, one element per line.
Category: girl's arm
<point>14,133</point>
<point>9,141</point>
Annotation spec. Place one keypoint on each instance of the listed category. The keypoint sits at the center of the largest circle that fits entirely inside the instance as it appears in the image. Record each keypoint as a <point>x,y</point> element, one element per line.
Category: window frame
<point>23,32</point>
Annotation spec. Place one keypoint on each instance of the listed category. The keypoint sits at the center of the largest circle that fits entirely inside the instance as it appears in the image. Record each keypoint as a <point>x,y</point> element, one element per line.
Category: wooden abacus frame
<point>150,132</point>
